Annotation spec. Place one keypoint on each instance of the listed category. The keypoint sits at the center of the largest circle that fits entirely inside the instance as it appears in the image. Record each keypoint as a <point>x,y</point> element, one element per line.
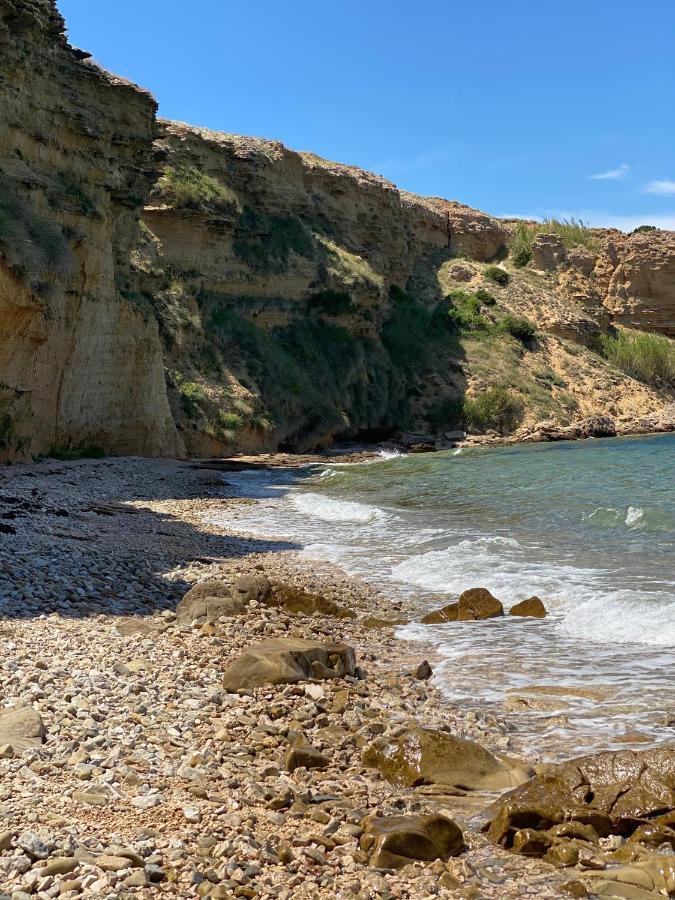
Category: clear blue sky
<point>511,106</point>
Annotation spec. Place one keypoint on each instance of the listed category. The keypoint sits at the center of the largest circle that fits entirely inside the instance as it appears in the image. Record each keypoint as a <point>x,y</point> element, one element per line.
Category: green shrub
<point>499,276</point>
<point>192,397</point>
<point>647,357</point>
<point>265,242</point>
<point>572,232</point>
<point>464,312</point>
<point>641,229</point>
<point>445,414</point>
<point>74,451</point>
<point>330,302</point>
<point>485,297</point>
<point>496,409</point>
<point>30,244</point>
<point>398,295</point>
<point>185,186</point>
<point>521,329</point>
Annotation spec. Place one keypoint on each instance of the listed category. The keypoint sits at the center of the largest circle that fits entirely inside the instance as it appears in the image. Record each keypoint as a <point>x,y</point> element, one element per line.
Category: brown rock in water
<point>21,729</point>
<point>478,603</point>
<point>614,792</point>
<point>447,613</point>
<point>533,607</point>
<point>296,600</point>
<point>424,756</point>
<point>395,841</point>
<point>287,661</point>
<point>207,601</point>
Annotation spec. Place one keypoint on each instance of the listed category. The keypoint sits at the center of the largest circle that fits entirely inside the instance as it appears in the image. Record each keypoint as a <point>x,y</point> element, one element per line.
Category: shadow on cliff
<point>99,542</point>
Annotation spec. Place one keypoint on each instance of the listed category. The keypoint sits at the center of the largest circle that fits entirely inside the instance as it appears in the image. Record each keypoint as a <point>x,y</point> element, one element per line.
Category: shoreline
<point>146,751</point>
<point>95,650</point>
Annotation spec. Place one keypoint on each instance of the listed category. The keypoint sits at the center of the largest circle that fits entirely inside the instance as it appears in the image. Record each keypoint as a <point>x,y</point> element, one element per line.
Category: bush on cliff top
<point>647,357</point>
<point>572,232</point>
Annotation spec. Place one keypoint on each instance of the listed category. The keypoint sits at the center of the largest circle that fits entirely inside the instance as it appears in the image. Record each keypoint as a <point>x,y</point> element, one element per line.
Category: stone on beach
<point>21,728</point>
<point>208,601</point>
<point>288,660</point>
<point>422,756</point>
<point>395,841</point>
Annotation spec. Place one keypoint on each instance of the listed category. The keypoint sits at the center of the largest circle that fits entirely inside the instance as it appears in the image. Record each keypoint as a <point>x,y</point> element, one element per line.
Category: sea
<point>588,526</point>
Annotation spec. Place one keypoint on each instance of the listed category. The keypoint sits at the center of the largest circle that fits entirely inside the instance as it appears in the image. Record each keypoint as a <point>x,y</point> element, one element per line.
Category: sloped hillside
<point>300,300</point>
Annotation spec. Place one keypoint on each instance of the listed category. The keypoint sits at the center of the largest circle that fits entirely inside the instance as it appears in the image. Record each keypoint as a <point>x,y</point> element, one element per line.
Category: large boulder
<point>420,756</point>
<point>287,661</point>
<point>532,608</point>
<point>395,841</point>
<point>21,729</point>
<point>478,603</point>
<point>615,793</point>
<point>207,601</point>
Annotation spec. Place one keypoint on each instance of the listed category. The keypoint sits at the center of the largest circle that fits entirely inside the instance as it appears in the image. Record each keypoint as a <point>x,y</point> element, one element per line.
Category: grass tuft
<point>496,409</point>
<point>647,357</point>
<point>187,187</point>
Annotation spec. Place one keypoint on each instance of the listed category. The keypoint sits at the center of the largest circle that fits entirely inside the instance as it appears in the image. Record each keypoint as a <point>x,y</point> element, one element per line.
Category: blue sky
<point>513,106</point>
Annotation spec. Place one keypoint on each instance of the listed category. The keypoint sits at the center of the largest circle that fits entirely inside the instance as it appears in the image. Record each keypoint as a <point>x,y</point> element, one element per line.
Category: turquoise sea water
<point>587,526</point>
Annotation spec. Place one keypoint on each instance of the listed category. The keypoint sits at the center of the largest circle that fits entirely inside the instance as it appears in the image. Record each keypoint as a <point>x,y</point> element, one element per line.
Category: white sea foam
<point>329,510</point>
<point>633,515</point>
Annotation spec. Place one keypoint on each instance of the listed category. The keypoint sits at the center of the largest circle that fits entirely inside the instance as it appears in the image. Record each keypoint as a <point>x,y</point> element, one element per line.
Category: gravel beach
<point>150,778</point>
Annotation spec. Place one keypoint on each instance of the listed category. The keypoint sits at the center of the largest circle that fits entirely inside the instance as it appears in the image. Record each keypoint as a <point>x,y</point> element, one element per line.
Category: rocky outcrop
<point>610,793</point>
<point>80,360</point>
<point>422,756</point>
<point>636,274</point>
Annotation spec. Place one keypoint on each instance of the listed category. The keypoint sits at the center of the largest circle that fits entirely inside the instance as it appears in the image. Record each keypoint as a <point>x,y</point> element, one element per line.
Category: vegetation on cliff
<point>647,357</point>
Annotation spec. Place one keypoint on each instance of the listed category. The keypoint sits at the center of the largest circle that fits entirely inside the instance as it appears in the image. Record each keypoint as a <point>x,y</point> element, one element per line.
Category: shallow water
<point>587,526</point>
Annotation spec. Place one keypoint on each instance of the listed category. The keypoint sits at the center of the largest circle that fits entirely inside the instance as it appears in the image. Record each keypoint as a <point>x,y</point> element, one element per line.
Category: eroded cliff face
<point>79,363</point>
<point>300,300</point>
<point>278,282</point>
<point>268,298</point>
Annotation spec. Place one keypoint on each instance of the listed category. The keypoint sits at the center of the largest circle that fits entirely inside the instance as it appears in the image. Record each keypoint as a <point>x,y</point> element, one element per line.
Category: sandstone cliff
<point>79,363</point>
<point>301,299</point>
<point>268,298</point>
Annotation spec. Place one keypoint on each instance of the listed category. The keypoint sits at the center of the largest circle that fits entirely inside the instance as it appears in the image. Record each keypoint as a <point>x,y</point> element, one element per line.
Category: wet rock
<point>375,622</point>
<point>656,875</point>
<point>307,757</point>
<point>613,792</point>
<point>478,603</point>
<point>21,728</point>
<point>447,613</point>
<point>296,600</point>
<point>423,672</point>
<point>208,601</point>
<point>395,841</point>
<point>422,756</point>
<point>532,607</point>
<point>287,661</point>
